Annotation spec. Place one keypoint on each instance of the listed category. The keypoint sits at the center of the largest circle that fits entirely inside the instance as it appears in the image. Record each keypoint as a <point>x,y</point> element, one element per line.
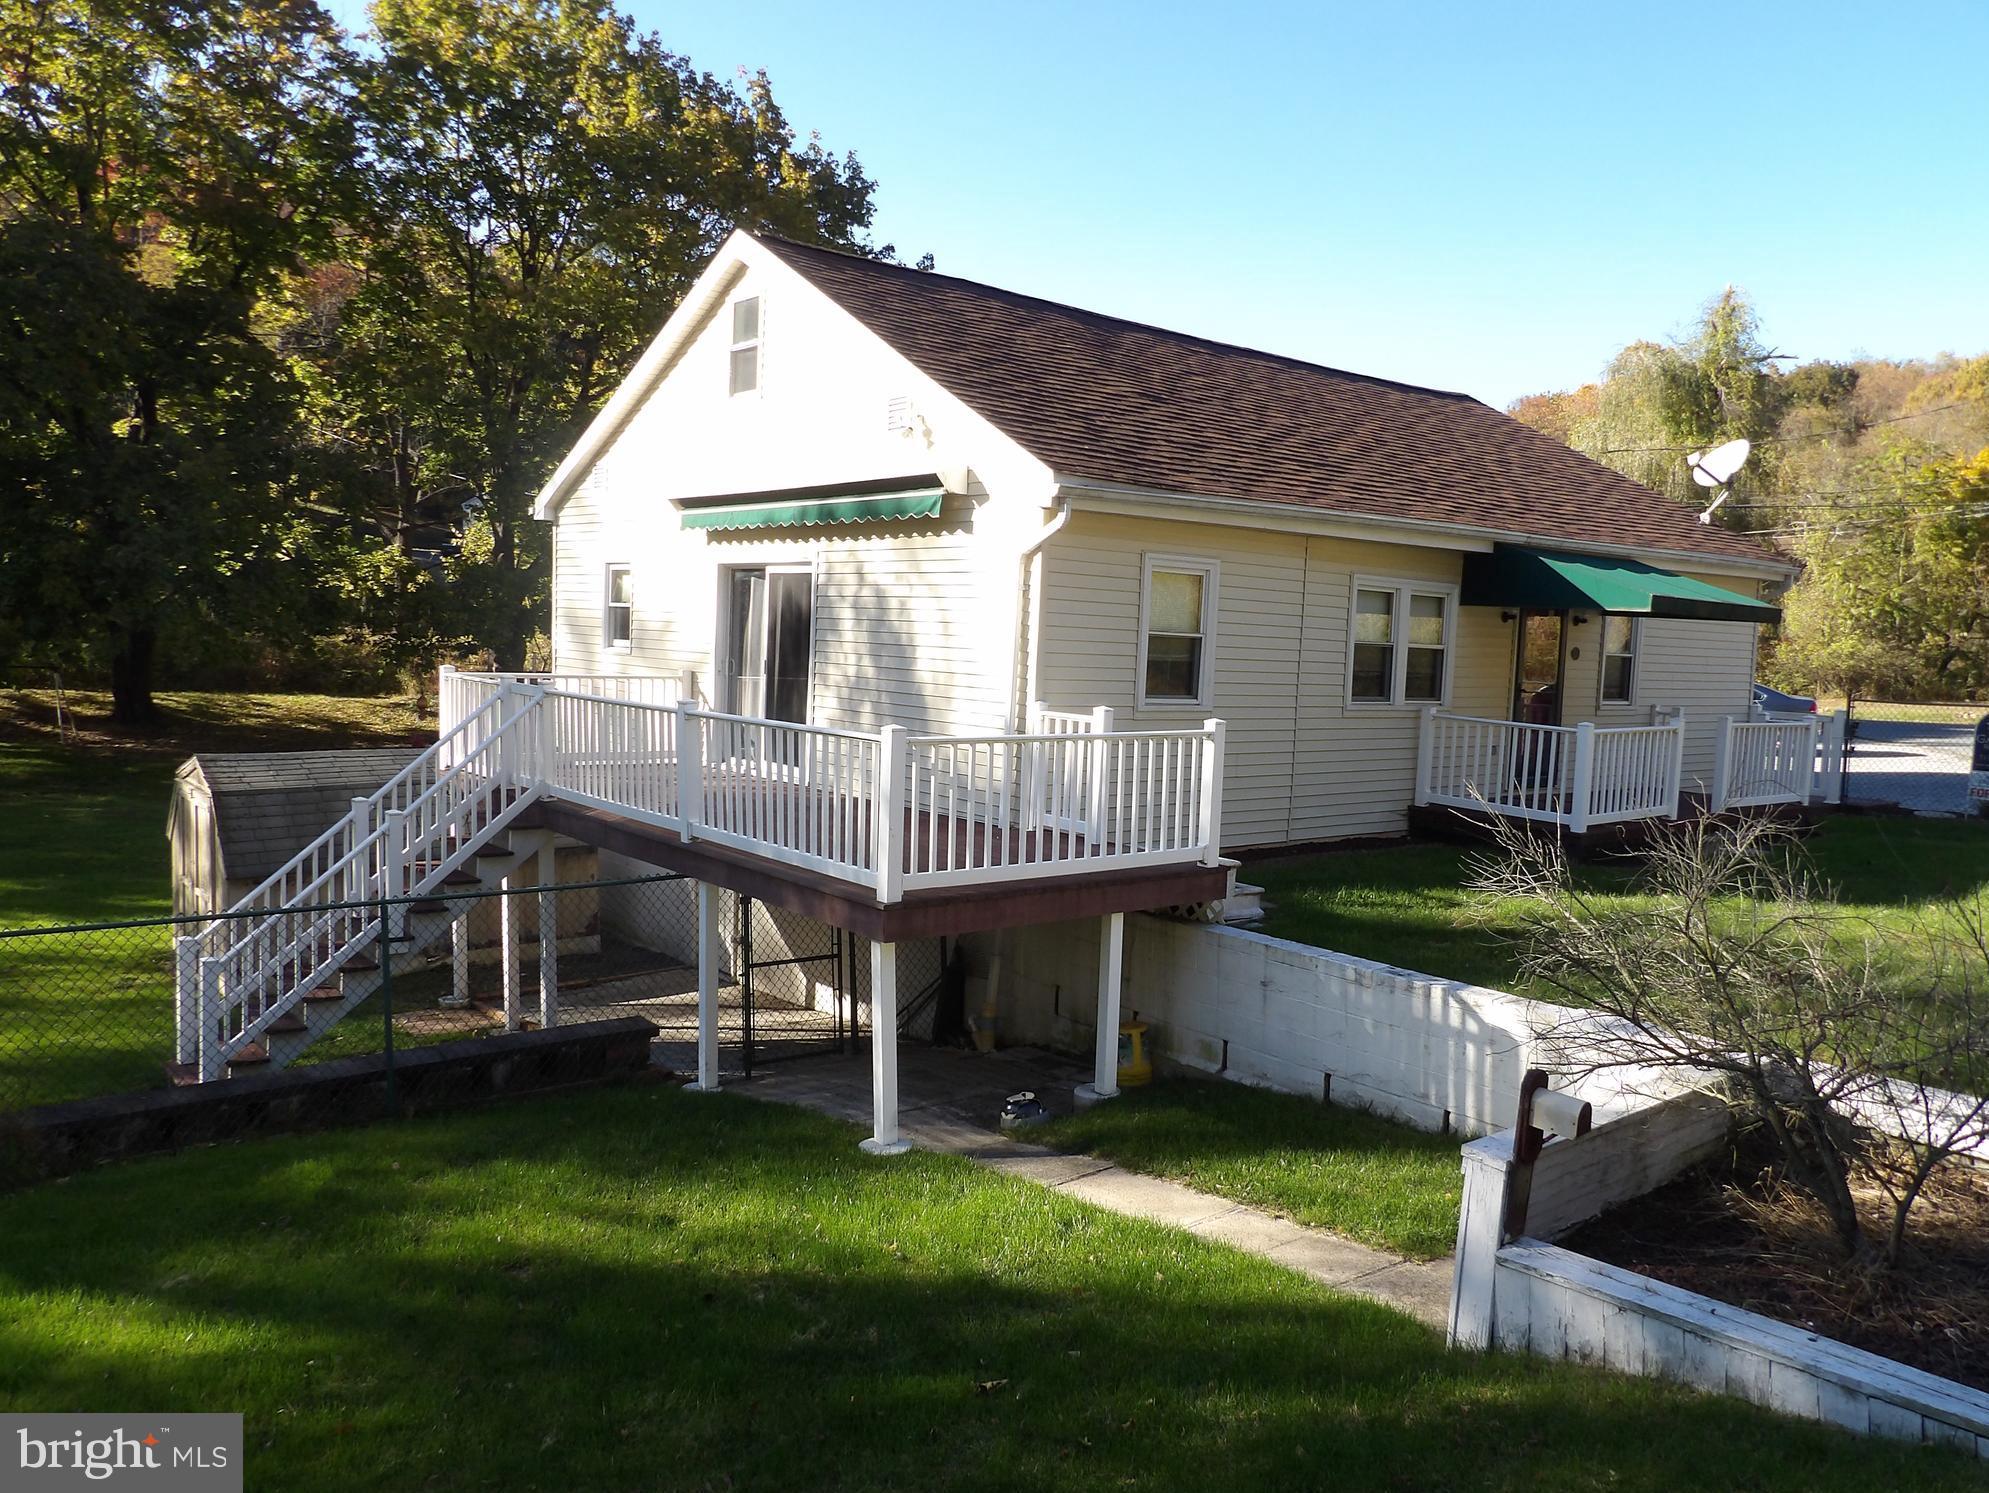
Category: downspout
<point>1028,606</point>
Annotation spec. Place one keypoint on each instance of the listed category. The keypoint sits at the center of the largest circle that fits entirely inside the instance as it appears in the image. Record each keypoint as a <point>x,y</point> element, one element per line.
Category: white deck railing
<point>888,810</point>
<point>1006,808</point>
<point>1577,776</point>
<point>1765,762</point>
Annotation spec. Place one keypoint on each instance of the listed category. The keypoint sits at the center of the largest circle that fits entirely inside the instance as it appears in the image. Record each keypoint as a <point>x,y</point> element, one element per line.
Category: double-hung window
<point>1177,630</point>
<point>618,609</point>
<point>1619,659</point>
<point>1400,640</point>
<point>746,344</point>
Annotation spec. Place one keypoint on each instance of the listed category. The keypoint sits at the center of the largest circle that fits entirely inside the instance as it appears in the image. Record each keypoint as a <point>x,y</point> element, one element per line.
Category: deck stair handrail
<point>404,839</point>
<point>1577,776</point>
<point>1761,762</point>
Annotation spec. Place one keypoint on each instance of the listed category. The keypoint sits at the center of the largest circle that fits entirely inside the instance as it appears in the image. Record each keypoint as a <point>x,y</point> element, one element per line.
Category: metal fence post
<point>387,1001</point>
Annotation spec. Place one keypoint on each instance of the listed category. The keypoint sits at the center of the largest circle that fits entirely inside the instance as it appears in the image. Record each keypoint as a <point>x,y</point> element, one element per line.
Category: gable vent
<point>898,413</point>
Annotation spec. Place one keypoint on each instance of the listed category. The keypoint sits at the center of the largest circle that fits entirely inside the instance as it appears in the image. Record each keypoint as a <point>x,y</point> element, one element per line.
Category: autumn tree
<point>544,183</point>
<point>1660,400</point>
<point>162,165</point>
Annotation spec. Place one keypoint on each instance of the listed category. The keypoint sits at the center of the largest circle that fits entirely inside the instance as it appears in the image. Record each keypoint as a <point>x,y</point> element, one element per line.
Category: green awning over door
<point>870,508</point>
<point>1546,580</point>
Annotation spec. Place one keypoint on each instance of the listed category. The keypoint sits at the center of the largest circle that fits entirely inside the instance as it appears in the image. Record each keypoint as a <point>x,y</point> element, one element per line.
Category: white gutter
<point>1029,588</point>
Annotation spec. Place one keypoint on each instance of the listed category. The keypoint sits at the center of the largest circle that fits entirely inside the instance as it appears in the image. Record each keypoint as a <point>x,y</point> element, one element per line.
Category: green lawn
<point>1339,1168</point>
<point>1407,905</point>
<point>83,840</point>
<point>641,1288</point>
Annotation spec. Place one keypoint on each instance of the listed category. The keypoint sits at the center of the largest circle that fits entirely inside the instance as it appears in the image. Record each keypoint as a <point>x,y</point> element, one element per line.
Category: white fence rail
<point>1578,776</point>
<point>1765,762</point>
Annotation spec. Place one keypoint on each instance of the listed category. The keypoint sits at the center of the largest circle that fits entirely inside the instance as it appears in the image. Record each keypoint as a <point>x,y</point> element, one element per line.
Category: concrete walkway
<point>948,1100</point>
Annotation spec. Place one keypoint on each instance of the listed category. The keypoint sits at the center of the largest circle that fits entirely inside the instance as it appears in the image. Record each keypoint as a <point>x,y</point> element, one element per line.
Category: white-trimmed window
<point>745,344</point>
<point>1177,630</point>
<point>618,609</point>
<point>1619,660</point>
<point>1399,642</point>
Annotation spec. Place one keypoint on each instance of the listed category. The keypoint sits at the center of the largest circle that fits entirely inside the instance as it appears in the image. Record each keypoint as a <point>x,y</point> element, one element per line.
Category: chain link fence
<point>135,1011</point>
<point>1919,758</point>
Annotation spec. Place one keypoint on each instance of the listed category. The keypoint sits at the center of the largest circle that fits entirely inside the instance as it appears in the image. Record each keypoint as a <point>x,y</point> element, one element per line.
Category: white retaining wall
<point>1437,1053</point>
<point>1529,1296</point>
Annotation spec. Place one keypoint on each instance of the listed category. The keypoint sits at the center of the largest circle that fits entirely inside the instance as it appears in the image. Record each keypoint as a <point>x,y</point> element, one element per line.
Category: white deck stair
<point>259,985</point>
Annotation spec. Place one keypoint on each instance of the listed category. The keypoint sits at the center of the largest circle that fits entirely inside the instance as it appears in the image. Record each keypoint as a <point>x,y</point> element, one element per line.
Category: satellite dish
<point>1715,468</point>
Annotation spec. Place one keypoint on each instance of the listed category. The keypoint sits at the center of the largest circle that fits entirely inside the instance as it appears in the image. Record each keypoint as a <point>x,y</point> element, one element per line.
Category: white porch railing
<point>1578,776</point>
<point>1765,762</point>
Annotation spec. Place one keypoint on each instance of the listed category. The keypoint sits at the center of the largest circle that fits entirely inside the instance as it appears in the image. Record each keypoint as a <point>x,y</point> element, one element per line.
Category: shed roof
<point>270,805</point>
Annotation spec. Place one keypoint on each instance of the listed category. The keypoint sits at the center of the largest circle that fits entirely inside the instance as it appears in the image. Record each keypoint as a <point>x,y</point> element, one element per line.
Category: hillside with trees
<point>296,323</point>
<point>1873,474</point>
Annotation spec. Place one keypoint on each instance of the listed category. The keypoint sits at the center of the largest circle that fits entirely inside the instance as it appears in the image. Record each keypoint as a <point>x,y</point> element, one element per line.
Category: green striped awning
<point>880,507</point>
<point>1514,576</point>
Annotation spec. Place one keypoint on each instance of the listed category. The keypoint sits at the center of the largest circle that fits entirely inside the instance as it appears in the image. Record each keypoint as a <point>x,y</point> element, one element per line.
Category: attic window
<point>746,344</point>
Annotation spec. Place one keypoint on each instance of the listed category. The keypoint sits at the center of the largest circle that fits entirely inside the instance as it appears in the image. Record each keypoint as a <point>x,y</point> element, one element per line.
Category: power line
<point>1776,440</point>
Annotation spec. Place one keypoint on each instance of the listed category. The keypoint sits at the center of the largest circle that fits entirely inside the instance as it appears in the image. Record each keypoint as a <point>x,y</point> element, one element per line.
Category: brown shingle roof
<point>1115,401</point>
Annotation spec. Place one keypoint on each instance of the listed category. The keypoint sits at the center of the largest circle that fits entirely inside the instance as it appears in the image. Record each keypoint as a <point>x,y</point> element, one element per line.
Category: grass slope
<point>1406,905</point>
<point>1338,1168</point>
<point>639,1288</point>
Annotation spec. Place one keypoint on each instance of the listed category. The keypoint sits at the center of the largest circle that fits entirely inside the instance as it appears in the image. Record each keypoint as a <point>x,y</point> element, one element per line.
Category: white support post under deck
<point>1111,965</point>
<point>884,1137</point>
<point>707,989</point>
<point>548,937</point>
<point>509,923</point>
<point>459,958</point>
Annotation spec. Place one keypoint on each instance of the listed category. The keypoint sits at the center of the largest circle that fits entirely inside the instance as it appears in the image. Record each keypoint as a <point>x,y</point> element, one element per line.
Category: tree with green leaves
<point>1660,400</point>
<point>545,182</point>
<point>162,166</point>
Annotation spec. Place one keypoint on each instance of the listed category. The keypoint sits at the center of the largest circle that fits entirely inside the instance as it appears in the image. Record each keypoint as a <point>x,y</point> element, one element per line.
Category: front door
<point>769,640</point>
<point>1537,681</point>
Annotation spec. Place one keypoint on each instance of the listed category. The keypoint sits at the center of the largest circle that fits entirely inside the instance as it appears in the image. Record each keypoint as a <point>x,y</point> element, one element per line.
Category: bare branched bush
<point>1857,1050</point>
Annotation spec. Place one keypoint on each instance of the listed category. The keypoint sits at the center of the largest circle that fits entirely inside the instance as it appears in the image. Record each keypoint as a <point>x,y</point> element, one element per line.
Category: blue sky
<point>1492,198</point>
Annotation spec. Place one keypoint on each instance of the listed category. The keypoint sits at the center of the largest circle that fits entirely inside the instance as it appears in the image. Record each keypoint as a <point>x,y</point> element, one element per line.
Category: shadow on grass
<point>646,1288</point>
